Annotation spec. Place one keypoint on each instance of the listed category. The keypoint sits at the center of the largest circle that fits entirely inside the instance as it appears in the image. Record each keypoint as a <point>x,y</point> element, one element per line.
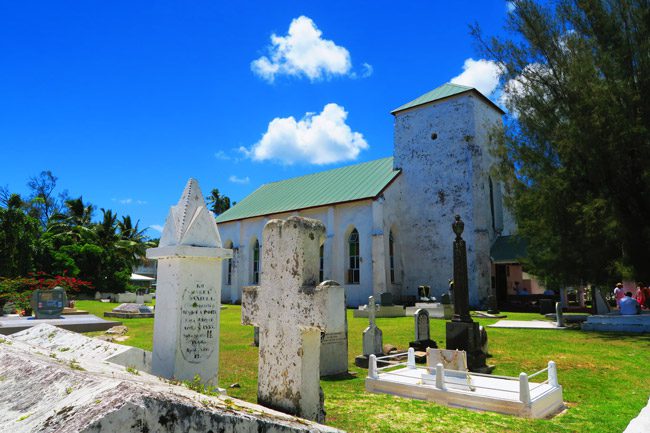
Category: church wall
<point>439,148</point>
<point>339,221</point>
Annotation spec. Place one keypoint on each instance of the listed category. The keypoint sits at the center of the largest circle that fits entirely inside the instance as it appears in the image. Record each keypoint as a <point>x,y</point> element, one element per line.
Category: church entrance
<point>501,283</point>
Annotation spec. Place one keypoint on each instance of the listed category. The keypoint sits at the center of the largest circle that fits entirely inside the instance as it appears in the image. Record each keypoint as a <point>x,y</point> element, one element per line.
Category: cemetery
<point>318,366</point>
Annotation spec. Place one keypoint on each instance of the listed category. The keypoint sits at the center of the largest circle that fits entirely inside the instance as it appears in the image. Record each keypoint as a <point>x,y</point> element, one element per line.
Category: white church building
<point>388,221</point>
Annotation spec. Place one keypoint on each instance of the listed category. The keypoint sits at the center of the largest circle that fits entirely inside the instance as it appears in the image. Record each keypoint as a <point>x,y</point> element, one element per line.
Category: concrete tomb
<point>422,332</point>
<point>130,311</point>
<point>49,304</point>
<point>446,381</point>
<point>188,296</point>
<point>291,312</point>
<point>59,381</point>
<point>462,332</point>
<point>372,337</point>
<point>615,322</point>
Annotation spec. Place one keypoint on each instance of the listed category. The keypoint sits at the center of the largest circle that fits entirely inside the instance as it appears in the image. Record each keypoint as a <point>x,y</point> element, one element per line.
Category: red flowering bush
<point>19,290</point>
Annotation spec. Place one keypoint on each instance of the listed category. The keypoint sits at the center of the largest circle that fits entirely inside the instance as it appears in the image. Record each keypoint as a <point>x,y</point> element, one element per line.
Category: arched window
<point>353,257</point>
<point>229,266</point>
<point>256,262</point>
<point>391,255</point>
<point>321,267</point>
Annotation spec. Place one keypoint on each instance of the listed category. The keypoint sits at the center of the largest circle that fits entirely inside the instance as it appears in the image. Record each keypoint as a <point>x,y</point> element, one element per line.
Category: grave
<point>386,308</point>
<point>437,310</point>
<point>423,339</point>
<point>131,311</point>
<point>615,322</point>
<point>48,304</point>
<point>188,301</point>
<point>334,342</point>
<point>455,386</point>
<point>57,381</point>
<point>291,311</point>
<point>462,332</point>
<point>78,323</point>
<point>372,338</point>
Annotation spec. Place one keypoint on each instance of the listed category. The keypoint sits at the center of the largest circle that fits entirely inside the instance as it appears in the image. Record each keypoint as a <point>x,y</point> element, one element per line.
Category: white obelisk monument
<point>188,294</point>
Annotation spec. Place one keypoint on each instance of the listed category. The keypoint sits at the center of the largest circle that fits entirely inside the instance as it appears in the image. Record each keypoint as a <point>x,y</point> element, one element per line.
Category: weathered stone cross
<point>291,312</point>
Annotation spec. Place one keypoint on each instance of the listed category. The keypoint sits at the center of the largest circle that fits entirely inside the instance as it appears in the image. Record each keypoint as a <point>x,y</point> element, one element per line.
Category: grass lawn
<point>606,377</point>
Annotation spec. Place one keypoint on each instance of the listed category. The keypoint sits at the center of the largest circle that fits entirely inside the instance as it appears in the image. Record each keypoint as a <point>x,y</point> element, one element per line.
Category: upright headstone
<point>422,331</point>
<point>291,312</point>
<point>48,304</point>
<point>334,342</point>
<point>559,315</point>
<point>188,295</point>
<point>462,332</point>
<point>386,299</point>
<point>372,337</point>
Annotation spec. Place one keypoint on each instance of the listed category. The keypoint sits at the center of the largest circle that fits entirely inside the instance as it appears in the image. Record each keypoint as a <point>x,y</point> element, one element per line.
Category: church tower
<point>442,149</point>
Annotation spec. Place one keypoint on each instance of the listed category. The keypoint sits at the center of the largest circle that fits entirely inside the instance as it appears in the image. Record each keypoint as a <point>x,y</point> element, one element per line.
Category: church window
<point>391,255</point>
<point>229,267</point>
<point>353,257</point>
<point>256,262</point>
<point>322,263</point>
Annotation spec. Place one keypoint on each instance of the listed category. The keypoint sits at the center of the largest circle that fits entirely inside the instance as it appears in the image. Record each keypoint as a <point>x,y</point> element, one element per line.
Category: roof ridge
<point>325,171</point>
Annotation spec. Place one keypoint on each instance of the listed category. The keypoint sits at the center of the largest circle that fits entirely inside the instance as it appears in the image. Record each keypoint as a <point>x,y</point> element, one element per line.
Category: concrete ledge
<point>77,323</point>
<point>385,311</point>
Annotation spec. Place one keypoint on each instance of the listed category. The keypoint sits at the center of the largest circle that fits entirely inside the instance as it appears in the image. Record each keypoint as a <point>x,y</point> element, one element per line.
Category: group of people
<point>629,303</point>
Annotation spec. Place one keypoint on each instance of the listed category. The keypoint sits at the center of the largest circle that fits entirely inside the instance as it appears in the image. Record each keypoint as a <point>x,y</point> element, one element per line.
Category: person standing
<point>641,295</point>
<point>618,294</point>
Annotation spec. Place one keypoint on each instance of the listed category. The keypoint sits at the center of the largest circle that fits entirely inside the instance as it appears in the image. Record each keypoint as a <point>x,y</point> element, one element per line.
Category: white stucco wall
<point>442,177</point>
<point>339,221</point>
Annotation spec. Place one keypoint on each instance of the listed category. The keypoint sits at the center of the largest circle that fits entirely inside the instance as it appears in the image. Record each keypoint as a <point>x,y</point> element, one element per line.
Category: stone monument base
<point>361,361</point>
<point>615,322</point>
<point>422,345</point>
<point>436,310</point>
<point>466,336</point>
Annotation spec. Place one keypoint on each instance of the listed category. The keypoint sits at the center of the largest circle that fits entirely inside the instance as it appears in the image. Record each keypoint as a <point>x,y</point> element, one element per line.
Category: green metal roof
<point>508,249</point>
<point>351,183</point>
<point>445,91</point>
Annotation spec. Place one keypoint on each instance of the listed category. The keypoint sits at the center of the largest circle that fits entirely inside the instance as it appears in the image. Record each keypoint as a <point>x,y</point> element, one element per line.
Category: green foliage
<point>217,203</point>
<point>18,239</point>
<point>576,146</point>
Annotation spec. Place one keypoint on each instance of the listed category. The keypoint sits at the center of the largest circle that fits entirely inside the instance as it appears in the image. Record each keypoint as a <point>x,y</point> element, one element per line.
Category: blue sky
<point>124,101</point>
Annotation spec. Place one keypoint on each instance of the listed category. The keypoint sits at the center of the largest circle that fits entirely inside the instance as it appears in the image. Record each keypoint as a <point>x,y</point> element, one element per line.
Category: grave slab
<point>42,391</point>
<point>526,324</point>
<point>382,311</point>
<point>76,323</point>
<point>436,310</point>
<point>131,311</point>
<point>640,424</point>
<point>615,322</point>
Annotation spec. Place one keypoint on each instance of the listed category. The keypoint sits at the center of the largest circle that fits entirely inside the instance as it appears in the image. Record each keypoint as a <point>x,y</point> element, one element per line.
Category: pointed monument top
<point>190,222</point>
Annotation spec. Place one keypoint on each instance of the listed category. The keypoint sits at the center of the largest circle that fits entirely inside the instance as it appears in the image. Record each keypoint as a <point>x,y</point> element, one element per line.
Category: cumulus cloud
<point>240,180</point>
<point>518,86</point>
<point>222,155</point>
<point>323,138</point>
<point>303,52</point>
<point>157,227</point>
<point>129,201</point>
<point>481,74</point>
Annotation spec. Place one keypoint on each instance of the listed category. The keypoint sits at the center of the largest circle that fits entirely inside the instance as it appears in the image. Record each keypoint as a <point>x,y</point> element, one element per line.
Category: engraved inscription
<point>333,338</point>
<point>199,320</point>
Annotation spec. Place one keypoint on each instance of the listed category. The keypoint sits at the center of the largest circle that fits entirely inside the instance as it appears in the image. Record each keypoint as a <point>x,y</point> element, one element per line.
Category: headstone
<point>372,337</point>
<point>98,296</point>
<point>291,312</point>
<point>334,342</point>
<point>559,315</point>
<point>599,302</point>
<point>386,299</point>
<point>450,359</point>
<point>423,293</point>
<point>48,304</point>
<point>422,333</point>
<point>462,332</point>
<point>188,301</point>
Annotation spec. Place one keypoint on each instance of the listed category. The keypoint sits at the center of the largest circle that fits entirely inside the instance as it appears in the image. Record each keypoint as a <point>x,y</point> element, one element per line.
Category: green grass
<point>604,376</point>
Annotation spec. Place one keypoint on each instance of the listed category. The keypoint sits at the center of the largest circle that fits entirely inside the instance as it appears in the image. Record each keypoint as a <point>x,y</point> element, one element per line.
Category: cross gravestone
<point>462,332</point>
<point>372,337</point>
<point>188,295</point>
<point>291,311</point>
<point>422,332</point>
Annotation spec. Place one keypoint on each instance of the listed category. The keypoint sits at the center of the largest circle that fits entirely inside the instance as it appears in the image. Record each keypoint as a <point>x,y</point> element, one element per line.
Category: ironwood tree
<point>575,148</point>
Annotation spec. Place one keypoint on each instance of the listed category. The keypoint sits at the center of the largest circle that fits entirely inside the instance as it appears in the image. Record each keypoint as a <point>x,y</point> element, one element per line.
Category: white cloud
<point>481,74</point>
<point>240,180</point>
<point>519,85</point>
<point>322,138</point>
<point>510,6</point>
<point>128,201</point>
<point>157,227</point>
<point>302,52</point>
<point>222,155</point>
